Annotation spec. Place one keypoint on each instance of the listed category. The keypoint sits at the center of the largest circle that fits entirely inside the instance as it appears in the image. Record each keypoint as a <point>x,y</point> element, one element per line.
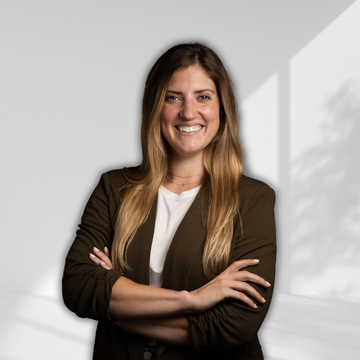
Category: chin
<point>190,153</point>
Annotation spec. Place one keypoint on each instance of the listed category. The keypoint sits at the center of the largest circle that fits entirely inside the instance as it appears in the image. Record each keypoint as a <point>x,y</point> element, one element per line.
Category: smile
<point>189,129</point>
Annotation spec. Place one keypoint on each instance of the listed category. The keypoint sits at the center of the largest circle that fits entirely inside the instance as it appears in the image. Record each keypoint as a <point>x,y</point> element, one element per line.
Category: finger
<point>107,253</point>
<point>99,262</point>
<point>227,286</point>
<point>240,264</point>
<point>102,256</point>
<point>245,275</point>
<point>105,266</point>
<point>248,289</point>
<point>235,291</point>
<point>243,298</point>
<point>94,259</point>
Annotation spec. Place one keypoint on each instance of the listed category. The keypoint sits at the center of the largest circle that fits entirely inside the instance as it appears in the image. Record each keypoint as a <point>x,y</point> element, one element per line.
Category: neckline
<point>187,193</point>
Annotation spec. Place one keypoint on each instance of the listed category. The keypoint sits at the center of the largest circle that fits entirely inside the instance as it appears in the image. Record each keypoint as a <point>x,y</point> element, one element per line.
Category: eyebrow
<point>195,92</point>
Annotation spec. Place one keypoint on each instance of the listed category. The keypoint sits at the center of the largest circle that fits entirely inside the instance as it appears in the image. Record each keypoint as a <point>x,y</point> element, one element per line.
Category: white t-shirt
<point>171,209</point>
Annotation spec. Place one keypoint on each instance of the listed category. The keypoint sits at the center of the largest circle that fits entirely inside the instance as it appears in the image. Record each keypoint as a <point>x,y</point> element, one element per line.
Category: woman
<point>185,222</point>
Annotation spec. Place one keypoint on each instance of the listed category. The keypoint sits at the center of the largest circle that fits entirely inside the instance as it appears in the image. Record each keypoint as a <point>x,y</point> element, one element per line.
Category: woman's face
<point>190,117</point>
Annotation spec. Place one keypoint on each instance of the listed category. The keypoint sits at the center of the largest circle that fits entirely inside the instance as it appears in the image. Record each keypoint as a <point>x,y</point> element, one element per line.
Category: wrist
<point>186,301</point>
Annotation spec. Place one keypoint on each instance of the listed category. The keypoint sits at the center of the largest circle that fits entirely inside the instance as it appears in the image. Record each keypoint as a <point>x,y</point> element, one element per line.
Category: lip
<point>188,125</point>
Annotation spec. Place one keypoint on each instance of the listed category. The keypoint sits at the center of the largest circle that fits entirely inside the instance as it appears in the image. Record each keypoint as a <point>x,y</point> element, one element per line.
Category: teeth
<point>189,128</point>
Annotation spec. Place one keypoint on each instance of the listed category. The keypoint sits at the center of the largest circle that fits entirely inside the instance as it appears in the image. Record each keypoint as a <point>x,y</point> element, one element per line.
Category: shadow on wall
<point>325,203</point>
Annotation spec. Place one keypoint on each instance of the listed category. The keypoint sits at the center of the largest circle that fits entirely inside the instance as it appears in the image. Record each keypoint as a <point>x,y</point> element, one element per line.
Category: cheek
<point>165,117</point>
<point>164,126</point>
<point>213,113</point>
<point>216,127</point>
<point>214,119</point>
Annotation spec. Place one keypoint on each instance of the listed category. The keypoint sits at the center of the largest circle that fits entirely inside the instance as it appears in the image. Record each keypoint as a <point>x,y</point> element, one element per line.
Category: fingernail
<point>268,284</point>
<point>92,255</point>
<point>96,249</point>
<point>263,300</point>
<point>255,306</point>
<point>257,260</point>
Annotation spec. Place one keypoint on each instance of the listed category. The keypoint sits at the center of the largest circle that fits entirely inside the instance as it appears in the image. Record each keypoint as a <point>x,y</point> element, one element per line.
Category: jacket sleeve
<point>87,287</point>
<point>232,323</point>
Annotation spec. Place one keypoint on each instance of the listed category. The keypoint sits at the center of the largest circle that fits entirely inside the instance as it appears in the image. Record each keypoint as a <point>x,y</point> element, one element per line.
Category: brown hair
<point>222,160</point>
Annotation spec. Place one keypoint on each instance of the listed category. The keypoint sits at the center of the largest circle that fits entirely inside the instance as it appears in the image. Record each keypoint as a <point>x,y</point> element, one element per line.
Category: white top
<point>171,209</point>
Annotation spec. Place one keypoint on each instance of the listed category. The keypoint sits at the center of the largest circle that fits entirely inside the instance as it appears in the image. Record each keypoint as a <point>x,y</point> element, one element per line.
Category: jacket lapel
<point>139,249</point>
<point>186,245</point>
<point>139,259</point>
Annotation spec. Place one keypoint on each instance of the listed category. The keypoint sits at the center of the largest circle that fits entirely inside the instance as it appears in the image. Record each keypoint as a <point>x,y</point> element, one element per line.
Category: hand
<point>231,283</point>
<point>101,258</point>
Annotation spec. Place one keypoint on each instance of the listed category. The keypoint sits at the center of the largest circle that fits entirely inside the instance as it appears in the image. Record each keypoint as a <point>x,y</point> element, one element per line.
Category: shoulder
<point>252,190</point>
<point>249,185</point>
<point>108,192</point>
<point>110,187</point>
<point>115,179</point>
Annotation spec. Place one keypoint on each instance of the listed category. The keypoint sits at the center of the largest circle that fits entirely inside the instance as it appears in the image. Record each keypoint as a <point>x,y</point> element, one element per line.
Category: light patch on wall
<point>260,122</point>
<point>317,72</point>
<point>324,152</point>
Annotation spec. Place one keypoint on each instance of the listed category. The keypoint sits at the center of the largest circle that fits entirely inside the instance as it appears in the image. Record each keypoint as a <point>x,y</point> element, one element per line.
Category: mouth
<point>189,129</point>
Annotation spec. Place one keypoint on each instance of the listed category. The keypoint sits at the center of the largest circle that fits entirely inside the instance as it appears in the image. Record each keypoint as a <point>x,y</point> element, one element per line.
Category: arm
<point>175,330</point>
<point>170,330</point>
<point>231,323</point>
<point>87,288</point>
<point>130,300</point>
<point>142,308</point>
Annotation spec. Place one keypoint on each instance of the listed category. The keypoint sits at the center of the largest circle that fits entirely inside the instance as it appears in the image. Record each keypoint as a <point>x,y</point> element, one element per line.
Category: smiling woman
<point>179,228</point>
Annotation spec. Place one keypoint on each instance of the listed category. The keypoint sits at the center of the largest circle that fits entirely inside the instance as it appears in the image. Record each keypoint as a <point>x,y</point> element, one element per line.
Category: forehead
<point>192,76</point>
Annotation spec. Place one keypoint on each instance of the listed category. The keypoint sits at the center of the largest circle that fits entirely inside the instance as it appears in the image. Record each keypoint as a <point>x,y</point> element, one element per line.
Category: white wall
<point>325,161</point>
<point>313,102</point>
<point>71,80</point>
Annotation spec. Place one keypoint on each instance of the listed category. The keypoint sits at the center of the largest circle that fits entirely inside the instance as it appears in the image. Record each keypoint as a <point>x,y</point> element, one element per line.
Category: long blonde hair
<point>222,160</point>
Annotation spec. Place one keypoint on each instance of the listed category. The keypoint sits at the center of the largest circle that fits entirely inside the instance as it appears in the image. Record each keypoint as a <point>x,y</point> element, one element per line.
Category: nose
<point>188,110</point>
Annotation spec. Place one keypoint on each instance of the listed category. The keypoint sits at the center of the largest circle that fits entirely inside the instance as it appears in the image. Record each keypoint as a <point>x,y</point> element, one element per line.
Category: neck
<point>186,168</point>
<point>184,174</point>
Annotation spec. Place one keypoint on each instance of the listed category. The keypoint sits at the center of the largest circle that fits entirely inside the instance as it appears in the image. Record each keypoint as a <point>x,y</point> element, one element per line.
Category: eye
<point>171,98</point>
<point>204,97</point>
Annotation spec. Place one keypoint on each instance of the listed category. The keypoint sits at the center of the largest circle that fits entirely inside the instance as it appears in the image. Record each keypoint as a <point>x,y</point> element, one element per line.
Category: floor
<point>297,327</point>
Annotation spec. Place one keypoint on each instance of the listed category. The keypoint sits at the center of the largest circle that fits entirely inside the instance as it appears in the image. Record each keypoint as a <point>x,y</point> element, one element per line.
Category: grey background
<point>71,81</point>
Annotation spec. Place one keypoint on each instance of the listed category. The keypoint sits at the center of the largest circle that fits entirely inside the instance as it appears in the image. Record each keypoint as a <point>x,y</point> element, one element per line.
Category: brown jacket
<point>226,331</point>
